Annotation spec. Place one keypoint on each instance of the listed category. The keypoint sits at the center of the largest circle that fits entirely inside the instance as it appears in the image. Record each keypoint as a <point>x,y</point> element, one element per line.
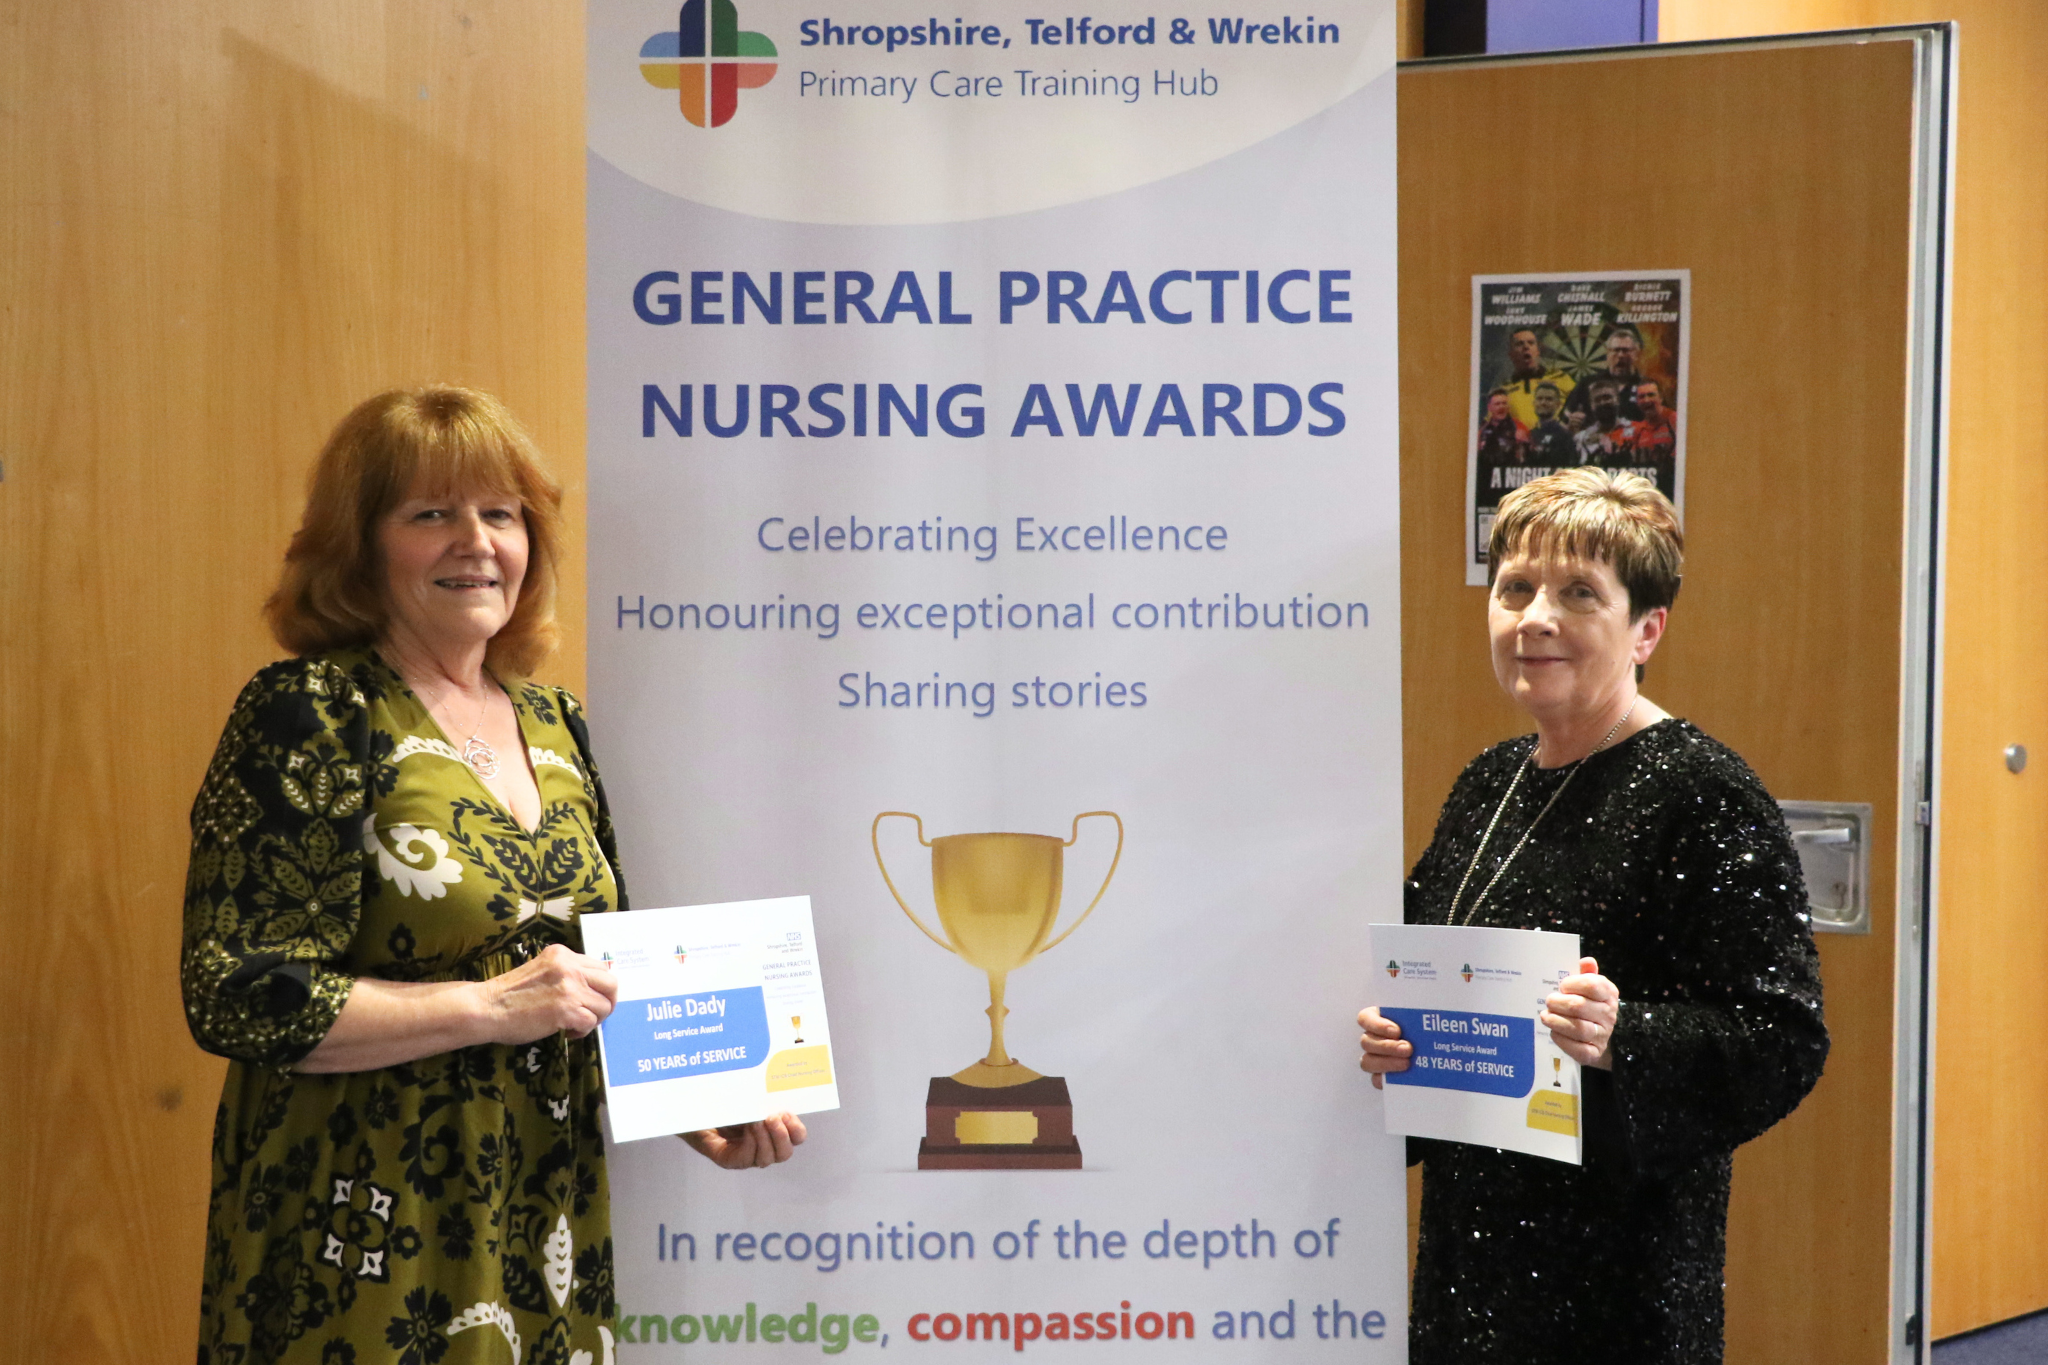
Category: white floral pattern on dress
<point>427,869</point>
<point>562,908</point>
<point>540,757</point>
<point>420,744</point>
<point>560,1261</point>
<point>489,1314</point>
<point>561,1254</point>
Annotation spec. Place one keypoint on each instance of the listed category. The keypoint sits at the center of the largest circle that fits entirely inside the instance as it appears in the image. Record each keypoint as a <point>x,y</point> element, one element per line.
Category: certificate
<point>720,1016</point>
<point>1484,1069</point>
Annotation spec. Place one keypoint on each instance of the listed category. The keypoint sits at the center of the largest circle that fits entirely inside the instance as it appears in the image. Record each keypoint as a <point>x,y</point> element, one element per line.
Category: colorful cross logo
<point>708,61</point>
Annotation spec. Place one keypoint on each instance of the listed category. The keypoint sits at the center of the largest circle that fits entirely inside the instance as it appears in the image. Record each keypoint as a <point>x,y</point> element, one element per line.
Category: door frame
<point>1922,627</point>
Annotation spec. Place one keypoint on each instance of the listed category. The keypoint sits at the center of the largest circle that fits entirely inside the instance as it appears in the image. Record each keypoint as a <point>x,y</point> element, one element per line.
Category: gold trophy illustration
<point>998,897</point>
<point>1553,1109</point>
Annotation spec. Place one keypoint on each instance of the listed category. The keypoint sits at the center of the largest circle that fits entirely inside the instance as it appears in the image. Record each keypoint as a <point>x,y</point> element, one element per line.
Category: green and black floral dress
<point>450,1210</point>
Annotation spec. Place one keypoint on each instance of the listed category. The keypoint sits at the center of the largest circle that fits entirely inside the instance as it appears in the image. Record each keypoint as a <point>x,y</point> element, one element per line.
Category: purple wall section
<point>1545,25</point>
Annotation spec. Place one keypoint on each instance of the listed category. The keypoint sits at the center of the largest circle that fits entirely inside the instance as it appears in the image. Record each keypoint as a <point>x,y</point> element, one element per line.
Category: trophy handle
<point>1105,876</point>
<point>875,838</point>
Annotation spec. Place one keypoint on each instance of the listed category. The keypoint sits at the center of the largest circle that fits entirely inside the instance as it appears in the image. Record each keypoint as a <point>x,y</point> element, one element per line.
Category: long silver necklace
<point>1501,809</point>
<point>475,752</point>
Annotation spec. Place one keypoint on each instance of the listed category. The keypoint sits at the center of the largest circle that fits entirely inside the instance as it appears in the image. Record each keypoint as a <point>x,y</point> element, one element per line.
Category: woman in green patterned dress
<point>390,854</point>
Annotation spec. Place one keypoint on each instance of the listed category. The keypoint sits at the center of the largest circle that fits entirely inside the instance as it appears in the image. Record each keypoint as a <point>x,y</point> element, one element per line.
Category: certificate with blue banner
<point>1485,1069</point>
<point>720,1016</point>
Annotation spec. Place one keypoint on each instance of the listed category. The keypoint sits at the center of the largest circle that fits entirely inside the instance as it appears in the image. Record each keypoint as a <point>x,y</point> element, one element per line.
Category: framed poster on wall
<point>1571,370</point>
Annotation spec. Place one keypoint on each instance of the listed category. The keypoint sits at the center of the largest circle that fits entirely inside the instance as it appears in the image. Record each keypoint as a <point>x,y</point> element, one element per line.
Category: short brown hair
<point>439,438</point>
<point>1593,513</point>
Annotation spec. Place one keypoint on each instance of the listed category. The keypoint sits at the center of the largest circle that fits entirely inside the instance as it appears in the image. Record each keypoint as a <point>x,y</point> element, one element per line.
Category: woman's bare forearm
<point>389,1023</point>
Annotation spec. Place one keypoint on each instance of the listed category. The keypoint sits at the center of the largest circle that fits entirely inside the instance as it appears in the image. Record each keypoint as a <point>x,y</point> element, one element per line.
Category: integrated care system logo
<point>708,60</point>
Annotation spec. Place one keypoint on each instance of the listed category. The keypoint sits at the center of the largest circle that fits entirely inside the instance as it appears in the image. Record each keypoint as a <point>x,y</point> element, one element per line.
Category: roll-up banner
<point>993,536</point>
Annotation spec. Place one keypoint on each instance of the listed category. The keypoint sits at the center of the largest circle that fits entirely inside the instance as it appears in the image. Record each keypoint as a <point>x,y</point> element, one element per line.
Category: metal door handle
<point>1832,839</point>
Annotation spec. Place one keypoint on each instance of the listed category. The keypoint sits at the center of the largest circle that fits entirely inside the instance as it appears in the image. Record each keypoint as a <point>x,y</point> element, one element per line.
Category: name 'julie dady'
<point>670,1009</point>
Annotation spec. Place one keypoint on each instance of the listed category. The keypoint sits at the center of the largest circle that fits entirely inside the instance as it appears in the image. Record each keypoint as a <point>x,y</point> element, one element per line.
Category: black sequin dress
<point>1671,862</point>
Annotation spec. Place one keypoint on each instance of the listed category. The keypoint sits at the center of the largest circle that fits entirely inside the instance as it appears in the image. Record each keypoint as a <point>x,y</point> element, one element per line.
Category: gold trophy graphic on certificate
<point>998,897</point>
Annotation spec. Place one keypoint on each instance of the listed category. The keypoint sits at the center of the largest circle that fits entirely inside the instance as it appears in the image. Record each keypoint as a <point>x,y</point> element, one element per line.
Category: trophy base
<point>1021,1156</point>
<point>1027,1127</point>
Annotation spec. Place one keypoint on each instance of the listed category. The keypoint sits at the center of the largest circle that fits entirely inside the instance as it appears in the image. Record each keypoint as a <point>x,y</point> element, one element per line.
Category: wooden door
<point>1989,1196</point>
<point>1783,179</point>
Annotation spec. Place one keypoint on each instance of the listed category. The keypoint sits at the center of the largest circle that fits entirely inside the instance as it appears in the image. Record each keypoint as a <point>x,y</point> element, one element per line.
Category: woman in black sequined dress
<point>1697,1011</point>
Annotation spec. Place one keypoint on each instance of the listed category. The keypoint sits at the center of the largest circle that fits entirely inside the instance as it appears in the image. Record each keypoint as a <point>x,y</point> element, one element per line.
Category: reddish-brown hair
<point>399,444</point>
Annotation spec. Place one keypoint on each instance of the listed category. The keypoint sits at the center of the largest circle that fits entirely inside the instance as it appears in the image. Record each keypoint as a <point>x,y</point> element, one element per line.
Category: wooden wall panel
<point>1991,1082</point>
<point>1781,179</point>
<point>222,222</point>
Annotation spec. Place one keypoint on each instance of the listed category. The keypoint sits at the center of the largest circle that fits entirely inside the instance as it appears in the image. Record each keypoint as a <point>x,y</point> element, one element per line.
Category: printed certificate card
<point>720,1020</point>
<point>1484,1071</point>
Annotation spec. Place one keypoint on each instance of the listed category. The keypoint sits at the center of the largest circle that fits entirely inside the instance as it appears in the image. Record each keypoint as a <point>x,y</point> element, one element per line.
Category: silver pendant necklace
<point>1501,809</point>
<point>478,754</point>
<point>475,752</point>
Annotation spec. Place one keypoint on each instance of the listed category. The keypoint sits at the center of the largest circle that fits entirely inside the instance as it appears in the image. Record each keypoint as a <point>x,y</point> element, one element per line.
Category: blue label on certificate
<point>671,1036</point>
<point>1493,1054</point>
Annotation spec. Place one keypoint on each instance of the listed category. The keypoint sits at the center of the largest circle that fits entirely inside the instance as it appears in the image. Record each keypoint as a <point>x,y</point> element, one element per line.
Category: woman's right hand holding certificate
<point>560,989</point>
<point>1382,1045</point>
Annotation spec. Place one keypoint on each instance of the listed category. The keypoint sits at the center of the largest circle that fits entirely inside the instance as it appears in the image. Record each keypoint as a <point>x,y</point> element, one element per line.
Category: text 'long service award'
<point>998,898</point>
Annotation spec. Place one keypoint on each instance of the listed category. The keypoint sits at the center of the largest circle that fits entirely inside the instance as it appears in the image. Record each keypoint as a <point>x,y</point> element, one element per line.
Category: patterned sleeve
<point>275,886</point>
<point>1702,1068</point>
<point>572,716</point>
